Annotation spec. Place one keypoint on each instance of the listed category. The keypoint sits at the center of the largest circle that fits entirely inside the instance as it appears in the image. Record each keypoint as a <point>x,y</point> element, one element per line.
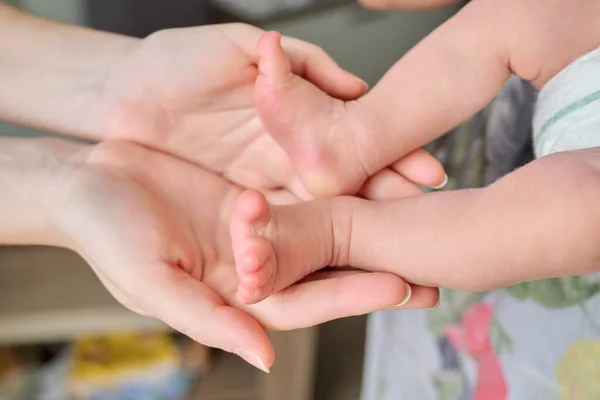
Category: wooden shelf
<point>49,294</point>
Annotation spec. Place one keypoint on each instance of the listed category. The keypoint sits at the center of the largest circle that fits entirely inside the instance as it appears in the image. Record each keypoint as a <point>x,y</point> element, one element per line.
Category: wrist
<point>52,74</point>
<point>28,171</point>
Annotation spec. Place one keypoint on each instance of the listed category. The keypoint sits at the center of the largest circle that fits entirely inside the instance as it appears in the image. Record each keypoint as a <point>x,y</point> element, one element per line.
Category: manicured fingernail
<point>440,186</point>
<point>407,298</point>
<point>252,358</point>
<point>366,87</point>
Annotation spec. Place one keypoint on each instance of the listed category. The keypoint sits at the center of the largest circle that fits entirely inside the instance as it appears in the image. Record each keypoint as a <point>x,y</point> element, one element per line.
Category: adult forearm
<point>51,73</point>
<point>27,187</point>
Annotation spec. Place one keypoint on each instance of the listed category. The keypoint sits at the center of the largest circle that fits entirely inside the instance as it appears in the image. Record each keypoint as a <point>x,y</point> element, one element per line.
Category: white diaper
<point>567,115</point>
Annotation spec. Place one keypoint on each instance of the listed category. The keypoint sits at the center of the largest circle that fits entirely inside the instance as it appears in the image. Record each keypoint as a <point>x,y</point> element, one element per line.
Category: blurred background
<point>61,334</point>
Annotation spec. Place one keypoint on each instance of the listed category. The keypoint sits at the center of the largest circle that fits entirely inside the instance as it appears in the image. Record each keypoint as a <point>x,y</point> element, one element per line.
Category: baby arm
<point>541,221</point>
<point>450,75</point>
<point>461,66</point>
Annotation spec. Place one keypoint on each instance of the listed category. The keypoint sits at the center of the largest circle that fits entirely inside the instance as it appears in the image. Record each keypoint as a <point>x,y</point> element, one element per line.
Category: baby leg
<point>276,246</point>
<point>448,239</point>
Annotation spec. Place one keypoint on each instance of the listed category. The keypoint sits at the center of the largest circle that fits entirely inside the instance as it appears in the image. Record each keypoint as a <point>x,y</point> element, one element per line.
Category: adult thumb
<point>315,65</point>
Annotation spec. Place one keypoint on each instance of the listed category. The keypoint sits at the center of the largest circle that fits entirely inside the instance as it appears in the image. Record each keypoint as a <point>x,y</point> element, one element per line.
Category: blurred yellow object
<point>579,371</point>
<point>106,359</point>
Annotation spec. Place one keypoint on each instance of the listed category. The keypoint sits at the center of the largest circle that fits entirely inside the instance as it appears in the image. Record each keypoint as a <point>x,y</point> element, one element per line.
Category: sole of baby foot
<point>254,255</point>
<point>310,125</point>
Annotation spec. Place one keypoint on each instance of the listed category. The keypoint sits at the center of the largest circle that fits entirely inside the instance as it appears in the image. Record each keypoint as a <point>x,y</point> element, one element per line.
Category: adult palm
<point>189,92</point>
<point>158,238</point>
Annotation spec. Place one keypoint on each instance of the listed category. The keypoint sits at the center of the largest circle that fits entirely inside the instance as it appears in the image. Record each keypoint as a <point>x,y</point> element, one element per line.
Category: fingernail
<point>366,87</point>
<point>436,304</point>
<point>440,186</point>
<point>407,298</point>
<point>252,358</point>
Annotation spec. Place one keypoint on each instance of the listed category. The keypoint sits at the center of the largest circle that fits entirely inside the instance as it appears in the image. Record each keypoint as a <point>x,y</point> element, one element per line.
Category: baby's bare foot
<point>255,259</point>
<point>329,141</point>
<point>275,246</point>
<point>310,125</point>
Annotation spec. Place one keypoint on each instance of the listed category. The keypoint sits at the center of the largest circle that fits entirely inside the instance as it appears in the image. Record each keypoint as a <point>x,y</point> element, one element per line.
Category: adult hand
<point>187,92</point>
<point>158,239</point>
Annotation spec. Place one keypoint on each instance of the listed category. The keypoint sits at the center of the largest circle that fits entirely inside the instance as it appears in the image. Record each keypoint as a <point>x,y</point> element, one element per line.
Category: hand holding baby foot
<point>327,139</point>
<point>276,246</point>
<point>473,240</point>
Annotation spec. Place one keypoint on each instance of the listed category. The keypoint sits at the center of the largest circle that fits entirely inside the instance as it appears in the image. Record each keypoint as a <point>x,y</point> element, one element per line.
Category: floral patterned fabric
<point>537,340</point>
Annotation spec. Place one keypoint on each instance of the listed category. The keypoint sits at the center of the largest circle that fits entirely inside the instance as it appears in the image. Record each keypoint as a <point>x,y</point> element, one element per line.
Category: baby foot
<point>331,142</point>
<point>317,131</point>
<point>255,258</point>
<point>270,256</point>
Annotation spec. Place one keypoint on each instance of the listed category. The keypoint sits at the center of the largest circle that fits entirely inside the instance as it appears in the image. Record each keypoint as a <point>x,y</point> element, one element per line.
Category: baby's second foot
<point>308,123</point>
<point>275,246</point>
<point>330,141</point>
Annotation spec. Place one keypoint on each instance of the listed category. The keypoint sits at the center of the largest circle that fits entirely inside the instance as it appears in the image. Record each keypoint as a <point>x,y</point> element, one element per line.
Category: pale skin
<point>441,239</point>
<point>406,4</point>
<point>186,93</point>
<point>441,82</point>
<point>535,223</point>
<point>98,86</point>
<point>158,240</point>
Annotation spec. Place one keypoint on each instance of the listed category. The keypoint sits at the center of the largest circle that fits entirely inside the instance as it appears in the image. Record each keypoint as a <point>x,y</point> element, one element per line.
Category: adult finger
<point>422,297</point>
<point>329,295</point>
<point>406,4</point>
<point>388,185</point>
<point>421,168</point>
<point>315,65</point>
<point>308,61</point>
<point>418,297</point>
<point>195,310</point>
